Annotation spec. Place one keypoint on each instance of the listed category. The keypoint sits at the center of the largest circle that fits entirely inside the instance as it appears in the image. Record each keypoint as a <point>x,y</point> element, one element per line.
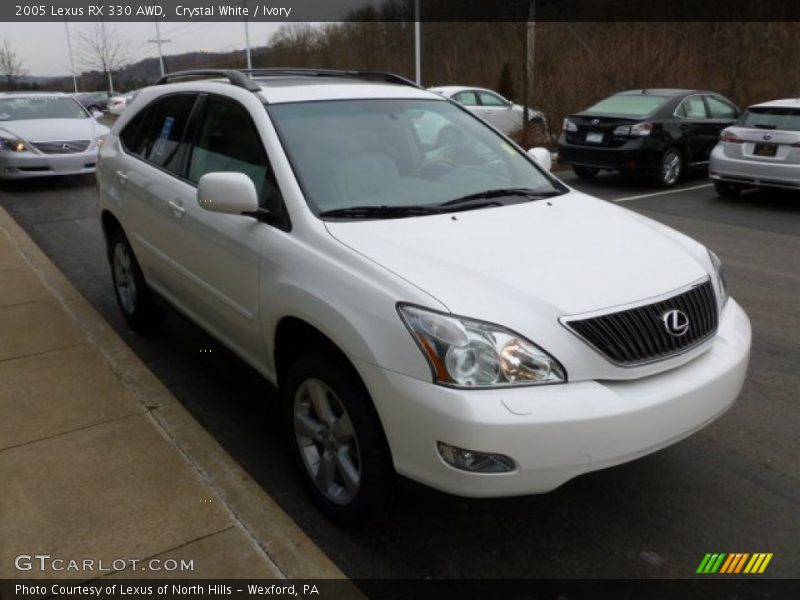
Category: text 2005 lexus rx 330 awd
<point>429,299</point>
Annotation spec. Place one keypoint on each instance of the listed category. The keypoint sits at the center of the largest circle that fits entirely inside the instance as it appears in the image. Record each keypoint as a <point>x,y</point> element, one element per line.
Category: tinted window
<point>133,134</point>
<point>720,109</point>
<point>693,108</point>
<point>164,130</point>
<point>227,140</point>
<point>772,117</point>
<point>488,99</point>
<point>466,98</point>
<point>629,105</point>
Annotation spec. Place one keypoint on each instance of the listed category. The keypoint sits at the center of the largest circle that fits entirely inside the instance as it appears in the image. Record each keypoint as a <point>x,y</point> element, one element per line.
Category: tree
<point>102,49</point>
<point>505,85</point>
<point>10,66</point>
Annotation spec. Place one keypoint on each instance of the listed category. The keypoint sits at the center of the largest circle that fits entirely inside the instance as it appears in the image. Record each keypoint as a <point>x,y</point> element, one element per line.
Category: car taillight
<point>636,129</point>
<point>730,138</point>
<point>570,125</point>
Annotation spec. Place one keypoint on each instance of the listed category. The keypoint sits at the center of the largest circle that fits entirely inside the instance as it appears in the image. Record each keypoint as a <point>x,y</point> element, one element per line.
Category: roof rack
<point>380,76</point>
<point>236,78</point>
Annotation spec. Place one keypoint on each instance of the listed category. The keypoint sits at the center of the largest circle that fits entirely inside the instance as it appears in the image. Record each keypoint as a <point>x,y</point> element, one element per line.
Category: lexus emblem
<point>767,136</point>
<point>65,146</point>
<point>675,322</point>
<point>595,121</point>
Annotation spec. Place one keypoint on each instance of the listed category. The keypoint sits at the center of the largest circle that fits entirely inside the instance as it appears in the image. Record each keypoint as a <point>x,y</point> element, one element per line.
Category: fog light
<point>476,462</point>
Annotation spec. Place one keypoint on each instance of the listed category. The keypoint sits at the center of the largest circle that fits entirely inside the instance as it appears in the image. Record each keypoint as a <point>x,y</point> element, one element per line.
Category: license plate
<point>765,149</point>
<point>594,137</point>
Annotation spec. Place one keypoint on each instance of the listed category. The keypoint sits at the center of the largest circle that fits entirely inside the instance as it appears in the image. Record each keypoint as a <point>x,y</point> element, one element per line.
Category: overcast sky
<point>42,47</point>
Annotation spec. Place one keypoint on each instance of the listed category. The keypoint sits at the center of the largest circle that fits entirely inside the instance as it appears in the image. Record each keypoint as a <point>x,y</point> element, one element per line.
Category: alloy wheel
<point>124,280</point>
<point>671,167</point>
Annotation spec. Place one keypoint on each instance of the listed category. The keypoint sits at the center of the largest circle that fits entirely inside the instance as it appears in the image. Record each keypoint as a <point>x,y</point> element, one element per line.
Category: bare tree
<point>102,49</point>
<point>10,65</point>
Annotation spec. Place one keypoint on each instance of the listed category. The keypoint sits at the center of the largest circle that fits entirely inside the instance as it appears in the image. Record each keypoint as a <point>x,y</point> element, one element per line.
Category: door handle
<point>684,127</point>
<point>123,179</point>
<point>176,209</point>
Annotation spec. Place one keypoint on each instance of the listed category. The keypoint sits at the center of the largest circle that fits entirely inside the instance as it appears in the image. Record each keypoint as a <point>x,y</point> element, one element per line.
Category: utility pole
<point>158,41</point>
<point>71,60</point>
<point>247,37</point>
<point>417,45</point>
<point>527,75</point>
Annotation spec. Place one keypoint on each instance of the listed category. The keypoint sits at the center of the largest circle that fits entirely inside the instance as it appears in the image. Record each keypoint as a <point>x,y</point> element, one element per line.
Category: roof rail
<point>236,78</point>
<point>379,76</point>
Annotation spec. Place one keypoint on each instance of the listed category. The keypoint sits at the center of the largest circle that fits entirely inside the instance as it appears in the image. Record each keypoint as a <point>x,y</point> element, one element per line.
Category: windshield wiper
<point>489,197</point>
<point>381,212</point>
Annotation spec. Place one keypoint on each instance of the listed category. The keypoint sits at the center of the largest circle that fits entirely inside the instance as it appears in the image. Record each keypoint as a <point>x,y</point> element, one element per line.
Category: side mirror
<point>227,193</point>
<point>542,157</point>
<point>97,114</point>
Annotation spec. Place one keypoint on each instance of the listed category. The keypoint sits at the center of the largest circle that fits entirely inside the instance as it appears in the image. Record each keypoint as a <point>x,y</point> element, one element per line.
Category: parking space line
<point>686,189</point>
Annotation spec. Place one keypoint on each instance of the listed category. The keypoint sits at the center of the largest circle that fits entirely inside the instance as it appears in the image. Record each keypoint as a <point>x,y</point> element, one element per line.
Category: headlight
<point>720,276</point>
<point>8,144</point>
<point>467,353</point>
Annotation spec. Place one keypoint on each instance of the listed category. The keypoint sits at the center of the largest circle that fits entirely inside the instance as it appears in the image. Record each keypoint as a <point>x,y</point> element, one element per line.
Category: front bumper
<point>556,432</point>
<point>743,171</point>
<point>24,165</point>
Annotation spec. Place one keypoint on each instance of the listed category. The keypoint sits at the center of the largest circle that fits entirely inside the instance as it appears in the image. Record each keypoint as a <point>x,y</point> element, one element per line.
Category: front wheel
<point>727,190</point>
<point>338,440</point>
<point>670,168</point>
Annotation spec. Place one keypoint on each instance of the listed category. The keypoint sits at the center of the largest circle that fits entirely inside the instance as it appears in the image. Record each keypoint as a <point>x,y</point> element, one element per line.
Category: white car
<point>500,112</point>
<point>44,134</point>
<point>760,150</point>
<point>454,314</point>
<point>118,104</point>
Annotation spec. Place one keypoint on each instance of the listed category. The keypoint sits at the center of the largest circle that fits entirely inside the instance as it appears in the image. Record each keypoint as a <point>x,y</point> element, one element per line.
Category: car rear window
<point>771,117</point>
<point>629,105</point>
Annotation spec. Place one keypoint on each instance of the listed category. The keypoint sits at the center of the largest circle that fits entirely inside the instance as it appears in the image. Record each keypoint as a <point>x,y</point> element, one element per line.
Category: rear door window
<point>163,135</point>
<point>693,108</point>
<point>720,109</point>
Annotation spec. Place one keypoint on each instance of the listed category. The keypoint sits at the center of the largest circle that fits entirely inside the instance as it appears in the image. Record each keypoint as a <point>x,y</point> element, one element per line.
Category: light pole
<point>158,41</point>
<point>417,45</point>
<point>71,60</point>
<point>247,36</point>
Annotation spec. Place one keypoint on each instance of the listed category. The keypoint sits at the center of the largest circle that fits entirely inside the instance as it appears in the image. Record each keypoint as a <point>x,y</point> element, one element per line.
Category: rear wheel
<point>338,439</point>
<point>670,168</point>
<point>134,298</point>
<point>585,172</point>
<point>727,190</point>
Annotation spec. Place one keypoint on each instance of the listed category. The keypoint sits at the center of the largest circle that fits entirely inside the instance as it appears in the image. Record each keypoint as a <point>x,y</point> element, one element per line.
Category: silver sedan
<point>45,134</point>
<point>761,150</point>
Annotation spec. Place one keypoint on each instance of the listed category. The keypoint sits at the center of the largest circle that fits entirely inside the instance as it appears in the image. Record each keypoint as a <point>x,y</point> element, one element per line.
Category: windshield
<point>627,104</point>
<point>395,154</point>
<point>772,117</point>
<point>40,107</point>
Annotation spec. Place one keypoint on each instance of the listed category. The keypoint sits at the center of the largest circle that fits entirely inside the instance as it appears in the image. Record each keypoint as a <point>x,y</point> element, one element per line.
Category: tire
<point>134,298</point>
<point>331,417</point>
<point>94,108</point>
<point>585,172</point>
<point>727,190</point>
<point>670,168</point>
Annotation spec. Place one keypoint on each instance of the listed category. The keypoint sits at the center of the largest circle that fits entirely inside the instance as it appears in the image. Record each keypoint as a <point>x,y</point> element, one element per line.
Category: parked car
<point>762,150</point>
<point>500,112</point>
<point>44,134</point>
<point>451,313</point>
<point>118,104</point>
<point>658,132</point>
<point>95,101</point>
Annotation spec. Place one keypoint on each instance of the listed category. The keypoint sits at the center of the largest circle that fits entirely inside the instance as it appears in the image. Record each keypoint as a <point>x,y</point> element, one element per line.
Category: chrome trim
<point>565,321</point>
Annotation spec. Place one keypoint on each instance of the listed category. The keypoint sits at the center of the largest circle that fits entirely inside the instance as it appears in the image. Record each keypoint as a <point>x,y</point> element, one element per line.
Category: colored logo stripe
<point>720,562</point>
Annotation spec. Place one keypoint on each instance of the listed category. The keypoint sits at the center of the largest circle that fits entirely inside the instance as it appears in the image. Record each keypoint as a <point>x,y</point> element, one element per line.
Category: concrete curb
<point>269,528</point>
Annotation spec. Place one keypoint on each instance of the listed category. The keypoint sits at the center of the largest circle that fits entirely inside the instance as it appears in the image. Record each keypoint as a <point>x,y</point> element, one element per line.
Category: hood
<point>569,255</point>
<point>54,130</point>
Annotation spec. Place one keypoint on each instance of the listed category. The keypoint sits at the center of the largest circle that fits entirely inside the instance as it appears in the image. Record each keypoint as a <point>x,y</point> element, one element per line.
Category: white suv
<point>431,303</point>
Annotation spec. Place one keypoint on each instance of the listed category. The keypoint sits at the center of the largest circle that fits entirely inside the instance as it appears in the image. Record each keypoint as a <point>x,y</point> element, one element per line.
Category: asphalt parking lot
<point>734,487</point>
